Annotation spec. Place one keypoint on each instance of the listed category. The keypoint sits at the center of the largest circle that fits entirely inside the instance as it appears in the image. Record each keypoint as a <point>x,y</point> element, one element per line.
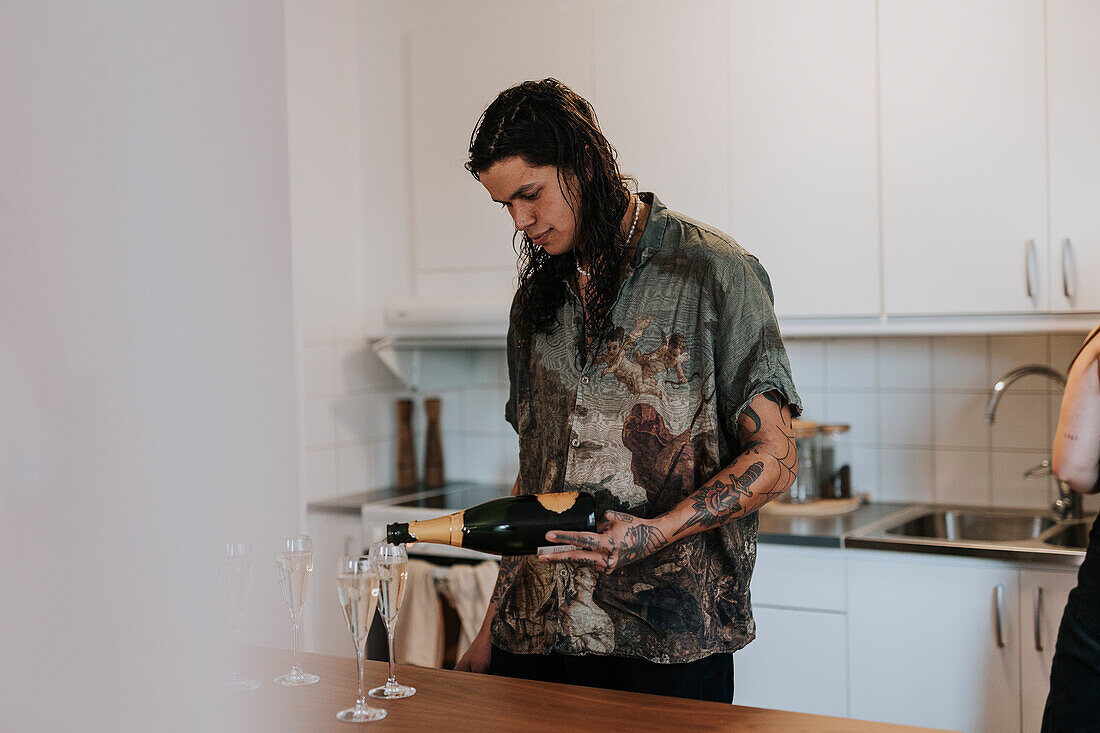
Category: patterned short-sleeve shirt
<point>641,425</point>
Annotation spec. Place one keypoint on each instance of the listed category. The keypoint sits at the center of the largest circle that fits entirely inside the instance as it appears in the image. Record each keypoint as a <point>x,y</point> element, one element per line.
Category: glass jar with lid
<point>834,462</point>
<point>804,488</point>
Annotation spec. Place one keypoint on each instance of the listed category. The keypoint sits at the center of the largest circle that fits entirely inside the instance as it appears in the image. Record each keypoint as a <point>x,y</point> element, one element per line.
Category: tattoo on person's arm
<point>640,541</point>
<point>714,503</point>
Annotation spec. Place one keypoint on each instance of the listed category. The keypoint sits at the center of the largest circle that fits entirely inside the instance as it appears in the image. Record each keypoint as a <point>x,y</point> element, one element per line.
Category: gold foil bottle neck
<point>558,503</point>
<point>441,530</point>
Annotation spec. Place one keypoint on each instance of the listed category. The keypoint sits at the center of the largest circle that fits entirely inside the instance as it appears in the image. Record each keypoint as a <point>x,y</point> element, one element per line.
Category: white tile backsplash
<point>1008,352</point>
<point>907,475</point>
<point>916,407</point>
<point>962,477</point>
<point>858,409</point>
<point>851,364</point>
<point>905,418</point>
<point>960,362</point>
<point>905,363</point>
<point>807,357</point>
<point>1010,488</point>
<point>958,420</point>
<point>1022,422</point>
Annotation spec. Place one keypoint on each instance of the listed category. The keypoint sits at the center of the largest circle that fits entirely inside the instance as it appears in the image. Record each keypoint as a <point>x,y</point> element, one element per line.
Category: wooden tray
<point>815,508</point>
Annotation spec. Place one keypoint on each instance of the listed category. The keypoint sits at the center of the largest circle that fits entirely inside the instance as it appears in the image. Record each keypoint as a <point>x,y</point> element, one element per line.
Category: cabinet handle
<point>1029,254</point>
<point>1038,619</point>
<point>999,603</point>
<point>1067,254</point>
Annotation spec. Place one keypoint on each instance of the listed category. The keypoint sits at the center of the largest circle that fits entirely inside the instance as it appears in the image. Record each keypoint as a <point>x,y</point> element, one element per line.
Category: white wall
<point>146,352</point>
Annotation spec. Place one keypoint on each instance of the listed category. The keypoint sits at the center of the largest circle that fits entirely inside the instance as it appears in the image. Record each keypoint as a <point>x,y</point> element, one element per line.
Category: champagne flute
<point>235,579</point>
<point>392,563</point>
<point>293,564</point>
<point>357,588</point>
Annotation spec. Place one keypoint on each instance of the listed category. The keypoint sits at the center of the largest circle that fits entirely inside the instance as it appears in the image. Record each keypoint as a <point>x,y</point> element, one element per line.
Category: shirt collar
<point>654,234</point>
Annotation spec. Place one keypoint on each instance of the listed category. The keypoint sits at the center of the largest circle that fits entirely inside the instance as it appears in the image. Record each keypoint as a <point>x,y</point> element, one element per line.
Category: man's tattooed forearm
<point>715,503</point>
<point>640,541</point>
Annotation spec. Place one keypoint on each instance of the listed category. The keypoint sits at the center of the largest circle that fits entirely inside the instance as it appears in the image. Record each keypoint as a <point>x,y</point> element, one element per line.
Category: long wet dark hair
<point>547,123</point>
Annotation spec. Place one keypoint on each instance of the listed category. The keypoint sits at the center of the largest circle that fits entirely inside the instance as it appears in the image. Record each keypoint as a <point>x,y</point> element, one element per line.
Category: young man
<point>647,370</point>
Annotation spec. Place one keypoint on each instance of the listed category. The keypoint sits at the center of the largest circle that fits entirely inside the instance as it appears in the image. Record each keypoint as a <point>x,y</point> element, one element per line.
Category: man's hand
<point>621,539</point>
<point>476,658</point>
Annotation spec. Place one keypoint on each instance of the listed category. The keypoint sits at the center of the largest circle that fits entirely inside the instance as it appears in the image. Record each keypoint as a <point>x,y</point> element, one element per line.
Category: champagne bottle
<point>514,525</point>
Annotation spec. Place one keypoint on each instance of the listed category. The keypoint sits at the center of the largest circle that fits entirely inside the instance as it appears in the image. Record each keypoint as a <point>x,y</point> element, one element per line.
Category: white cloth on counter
<point>469,589</point>
<point>418,636</point>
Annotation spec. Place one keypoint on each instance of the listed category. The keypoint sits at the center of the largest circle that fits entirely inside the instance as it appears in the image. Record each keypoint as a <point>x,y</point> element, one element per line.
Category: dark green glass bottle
<point>514,525</point>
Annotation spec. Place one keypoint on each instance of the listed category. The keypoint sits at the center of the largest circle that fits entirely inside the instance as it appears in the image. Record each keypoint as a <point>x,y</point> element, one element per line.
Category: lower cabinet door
<point>1043,596</point>
<point>796,663</point>
<point>935,643</point>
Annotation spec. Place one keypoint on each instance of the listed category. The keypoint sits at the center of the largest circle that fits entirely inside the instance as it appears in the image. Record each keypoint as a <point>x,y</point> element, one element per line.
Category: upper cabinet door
<point>462,241</point>
<point>963,156</point>
<point>661,91</point>
<point>1073,58</point>
<point>804,151</point>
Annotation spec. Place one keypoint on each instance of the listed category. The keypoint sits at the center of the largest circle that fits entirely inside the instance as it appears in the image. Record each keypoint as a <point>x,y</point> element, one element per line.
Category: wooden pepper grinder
<point>433,446</point>
<point>405,467</point>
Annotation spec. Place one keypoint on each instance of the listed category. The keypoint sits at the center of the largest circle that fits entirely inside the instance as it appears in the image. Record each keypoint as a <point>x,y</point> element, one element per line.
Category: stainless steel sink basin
<point>1071,535</point>
<point>974,525</point>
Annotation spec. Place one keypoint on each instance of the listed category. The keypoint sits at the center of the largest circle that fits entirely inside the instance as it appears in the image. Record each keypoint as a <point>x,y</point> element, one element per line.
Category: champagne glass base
<point>240,683</point>
<point>296,680</point>
<point>396,692</point>
<point>361,714</point>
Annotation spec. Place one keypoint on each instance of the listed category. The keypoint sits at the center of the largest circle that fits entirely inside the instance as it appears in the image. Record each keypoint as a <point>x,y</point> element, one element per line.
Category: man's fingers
<point>585,540</point>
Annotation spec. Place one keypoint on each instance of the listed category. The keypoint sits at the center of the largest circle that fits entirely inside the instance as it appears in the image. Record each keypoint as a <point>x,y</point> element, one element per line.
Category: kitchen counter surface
<point>821,531</point>
<point>447,700</point>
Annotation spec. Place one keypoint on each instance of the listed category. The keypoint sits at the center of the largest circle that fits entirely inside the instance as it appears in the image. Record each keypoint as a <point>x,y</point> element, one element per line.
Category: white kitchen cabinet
<point>798,661</point>
<point>661,90</point>
<point>1073,77</point>
<point>1043,596</point>
<point>462,241</point>
<point>964,166</point>
<point>804,151</point>
<point>924,647</point>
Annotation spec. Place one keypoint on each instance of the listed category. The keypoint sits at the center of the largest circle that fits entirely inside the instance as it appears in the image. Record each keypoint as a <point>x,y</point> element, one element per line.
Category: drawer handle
<point>1067,254</point>
<point>1029,255</point>
<point>999,603</point>
<point>1038,619</point>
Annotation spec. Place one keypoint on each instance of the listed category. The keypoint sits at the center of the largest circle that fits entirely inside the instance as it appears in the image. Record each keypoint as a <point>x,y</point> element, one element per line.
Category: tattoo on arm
<point>640,541</point>
<point>714,503</point>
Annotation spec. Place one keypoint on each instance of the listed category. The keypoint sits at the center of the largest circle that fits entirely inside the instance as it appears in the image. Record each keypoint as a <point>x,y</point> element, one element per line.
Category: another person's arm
<point>476,657</point>
<point>766,467</point>
<point>1077,443</point>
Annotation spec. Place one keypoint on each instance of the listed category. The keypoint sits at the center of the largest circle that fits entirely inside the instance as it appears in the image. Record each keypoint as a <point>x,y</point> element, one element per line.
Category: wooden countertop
<point>456,701</point>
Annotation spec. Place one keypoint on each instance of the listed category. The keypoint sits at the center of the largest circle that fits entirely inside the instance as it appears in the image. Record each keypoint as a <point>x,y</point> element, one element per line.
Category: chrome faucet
<point>1068,504</point>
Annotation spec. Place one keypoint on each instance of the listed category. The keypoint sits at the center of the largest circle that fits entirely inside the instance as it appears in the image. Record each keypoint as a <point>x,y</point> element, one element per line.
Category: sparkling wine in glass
<point>235,579</point>
<point>392,563</point>
<point>293,565</point>
<point>357,588</point>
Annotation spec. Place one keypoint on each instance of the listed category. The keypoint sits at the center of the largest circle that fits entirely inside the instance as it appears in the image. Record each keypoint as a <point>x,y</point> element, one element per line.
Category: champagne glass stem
<point>237,666</point>
<point>297,667</point>
<point>361,701</point>
<point>392,681</point>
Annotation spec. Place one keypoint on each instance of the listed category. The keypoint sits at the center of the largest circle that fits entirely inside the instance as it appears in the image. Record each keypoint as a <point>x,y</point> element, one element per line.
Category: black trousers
<point>709,678</point>
<point>1073,705</point>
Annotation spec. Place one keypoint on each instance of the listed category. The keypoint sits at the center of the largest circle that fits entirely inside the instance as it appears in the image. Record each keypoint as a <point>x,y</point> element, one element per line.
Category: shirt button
<point>584,380</point>
<point>575,443</point>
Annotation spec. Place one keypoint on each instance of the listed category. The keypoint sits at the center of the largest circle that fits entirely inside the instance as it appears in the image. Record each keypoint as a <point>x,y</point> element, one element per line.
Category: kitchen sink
<point>1072,535</point>
<point>972,525</point>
